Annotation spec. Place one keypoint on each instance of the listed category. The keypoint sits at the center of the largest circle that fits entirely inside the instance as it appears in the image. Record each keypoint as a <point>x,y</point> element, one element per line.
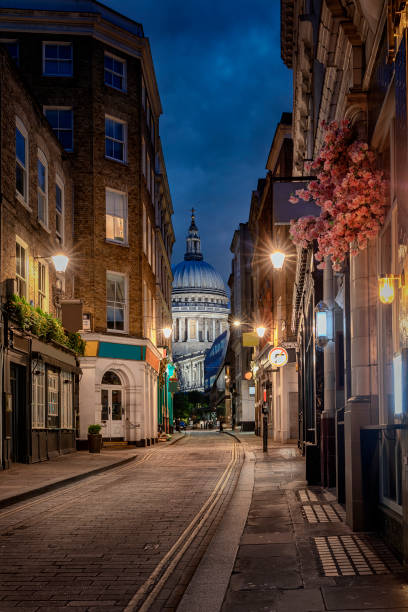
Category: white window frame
<point>41,158</point>
<point>125,217</point>
<point>123,76</point>
<point>38,396</point>
<point>23,131</point>
<point>42,285</point>
<point>124,142</point>
<point>57,130</point>
<point>67,397</point>
<point>60,235</point>
<point>58,43</point>
<point>23,245</point>
<point>53,397</point>
<point>125,307</point>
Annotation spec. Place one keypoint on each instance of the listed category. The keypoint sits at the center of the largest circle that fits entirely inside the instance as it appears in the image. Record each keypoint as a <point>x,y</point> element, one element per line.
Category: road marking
<point>173,556</point>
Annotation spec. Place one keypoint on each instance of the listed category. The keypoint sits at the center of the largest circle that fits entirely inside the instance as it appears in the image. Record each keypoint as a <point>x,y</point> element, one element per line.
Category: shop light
<point>277,259</point>
<point>322,324</point>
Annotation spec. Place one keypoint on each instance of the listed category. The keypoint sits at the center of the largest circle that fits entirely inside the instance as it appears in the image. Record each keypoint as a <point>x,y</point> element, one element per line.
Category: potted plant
<point>94,438</point>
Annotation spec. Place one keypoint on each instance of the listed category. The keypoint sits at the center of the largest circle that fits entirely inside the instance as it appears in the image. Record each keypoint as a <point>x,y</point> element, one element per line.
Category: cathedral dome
<point>194,274</point>
<point>197,275</point>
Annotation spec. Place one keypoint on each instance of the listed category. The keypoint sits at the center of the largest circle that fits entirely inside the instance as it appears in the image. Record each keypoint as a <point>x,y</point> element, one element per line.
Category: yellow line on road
<point>190,532</point>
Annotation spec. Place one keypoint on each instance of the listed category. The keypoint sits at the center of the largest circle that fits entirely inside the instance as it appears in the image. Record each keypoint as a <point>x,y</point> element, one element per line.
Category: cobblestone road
<point>95,545</point>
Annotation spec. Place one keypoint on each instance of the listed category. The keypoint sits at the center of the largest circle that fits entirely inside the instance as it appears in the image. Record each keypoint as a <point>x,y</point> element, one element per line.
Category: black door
<point>18,383</point>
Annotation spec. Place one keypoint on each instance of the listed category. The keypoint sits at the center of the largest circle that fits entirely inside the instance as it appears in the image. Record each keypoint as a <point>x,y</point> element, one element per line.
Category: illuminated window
<point>42,286</point>
<point>116,216</point>
<point>38,395</point>
<point>21,270</point>
<point>115,301</point>
<point>52,399</point>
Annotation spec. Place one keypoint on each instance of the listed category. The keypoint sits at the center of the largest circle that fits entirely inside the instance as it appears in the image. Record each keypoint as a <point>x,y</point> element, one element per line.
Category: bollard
<point>265,434</point>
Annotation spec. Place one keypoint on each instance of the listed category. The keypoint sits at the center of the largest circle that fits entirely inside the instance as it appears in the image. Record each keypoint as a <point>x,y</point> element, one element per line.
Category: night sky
<point>223,87</point>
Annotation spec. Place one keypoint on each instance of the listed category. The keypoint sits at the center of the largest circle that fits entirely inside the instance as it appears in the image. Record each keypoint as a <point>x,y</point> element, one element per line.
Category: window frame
<point>52,375</point>
<point>42,293</point>
<point>124,142</point>
<point>124,76</point>
<point>19,125</point>
<point>58,43</point>
<point>57,130</point>
<point>67,400</point>
<point>125,303</point>
<point>43,160</point>
<point>38,397</point>
<point>125,218</point>
<point>23,245</point>
<point>60,184</point>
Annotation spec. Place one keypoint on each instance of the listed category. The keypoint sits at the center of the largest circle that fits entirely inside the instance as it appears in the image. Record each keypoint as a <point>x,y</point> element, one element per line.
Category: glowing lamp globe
<point>167,332</point>
<point>277,259</point>
<point>386,290</point>
<point>260,331</point>
<point>236,323</point>
<point>60,262</point>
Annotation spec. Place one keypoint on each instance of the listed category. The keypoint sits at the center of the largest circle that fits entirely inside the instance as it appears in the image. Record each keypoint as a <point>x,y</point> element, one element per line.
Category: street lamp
<point>167,332</point>
<point>236,323</point>
<point>260,330</point>
<point>60,262</point>
<point>277,259</point>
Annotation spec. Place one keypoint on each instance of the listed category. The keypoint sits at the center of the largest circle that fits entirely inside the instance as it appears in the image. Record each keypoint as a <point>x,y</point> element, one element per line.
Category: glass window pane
<point>110,317</point>
<point>41,175</point>
<point>118,130</point>
<point>65,119</point>
<point>51,67</point>
<point>118,150</point>
<point>117,82</point>
<point>111,378</point>
<point>108,147</point>
<point>120,290</point>
<point>58,198</point>
<point>109,128</point>
<point>20,147</point>
<point>118,66</point>
<point>105,404</point>
<point>110,290</point>
<point>51,51</point>
<point>20,180</point>
<point>108,77</point>
<point>52,117</point>
<point>65,51</point>
<point>116,405</point>
<point>65,68</point>
<point>108,62</point>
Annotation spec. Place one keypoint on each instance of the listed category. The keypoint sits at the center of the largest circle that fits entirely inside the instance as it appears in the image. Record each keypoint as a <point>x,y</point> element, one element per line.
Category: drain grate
<point>305,496</point>
<point>361,555</point>
<point>321,513</point>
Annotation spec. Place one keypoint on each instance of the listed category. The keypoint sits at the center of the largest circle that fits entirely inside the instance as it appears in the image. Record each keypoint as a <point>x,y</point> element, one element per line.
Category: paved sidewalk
<point>297,553</point>
<point>23,481</point>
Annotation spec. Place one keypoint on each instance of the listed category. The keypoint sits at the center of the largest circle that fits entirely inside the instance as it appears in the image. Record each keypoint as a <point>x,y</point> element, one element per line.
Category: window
<point>57,59</point>
<point>21,161</point>
<point>148,172</point>
<point>116,216</point>
<point>115,139</point>
<point>21,270</point>
<point>59,210</point>
<point>42,286</point>
<point>116,301</point>
<point>66,400</point>
<point>152,184</point>
<point>143,94</point>
<point>52,399</point>
<point>38,395</point>
<point>149,241</point>
<point>42,188</point>
<point>144,157</point>
<point>61,121</point>
<point>144,230</point>
<point>115,72</point>
<point>13,49</point>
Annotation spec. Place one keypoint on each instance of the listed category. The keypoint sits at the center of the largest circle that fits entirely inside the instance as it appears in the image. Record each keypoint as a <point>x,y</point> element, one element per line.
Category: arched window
<point>110,378</point>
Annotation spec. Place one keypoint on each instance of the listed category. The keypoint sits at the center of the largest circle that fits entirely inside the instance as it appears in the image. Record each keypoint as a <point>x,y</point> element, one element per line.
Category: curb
<point>14,499</point>
<point>228,433</point>
<point>177,439</point>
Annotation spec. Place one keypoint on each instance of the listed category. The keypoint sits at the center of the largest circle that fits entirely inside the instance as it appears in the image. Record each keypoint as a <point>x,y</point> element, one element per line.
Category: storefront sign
<point>278,356</point>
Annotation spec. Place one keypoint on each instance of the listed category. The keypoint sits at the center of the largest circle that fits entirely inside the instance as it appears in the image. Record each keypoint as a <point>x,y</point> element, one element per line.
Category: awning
<point>57,357</point>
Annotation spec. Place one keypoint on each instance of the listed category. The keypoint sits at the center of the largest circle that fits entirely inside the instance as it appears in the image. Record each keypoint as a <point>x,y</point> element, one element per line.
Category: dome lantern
<point>193,242</point>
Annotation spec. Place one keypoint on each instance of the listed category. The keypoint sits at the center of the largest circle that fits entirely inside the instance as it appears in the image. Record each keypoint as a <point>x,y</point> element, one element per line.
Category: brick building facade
<point>93,75</point>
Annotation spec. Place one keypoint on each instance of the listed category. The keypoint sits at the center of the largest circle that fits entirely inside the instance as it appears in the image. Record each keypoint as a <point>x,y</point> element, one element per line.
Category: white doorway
<point>112,406</point>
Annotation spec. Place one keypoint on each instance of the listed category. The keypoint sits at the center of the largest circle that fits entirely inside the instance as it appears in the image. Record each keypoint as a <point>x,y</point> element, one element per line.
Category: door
<point>112,409</point>
<point>19,450</point>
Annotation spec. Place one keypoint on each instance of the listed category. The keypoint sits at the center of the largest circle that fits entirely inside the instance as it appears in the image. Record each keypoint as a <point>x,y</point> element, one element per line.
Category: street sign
<point>278,356</point>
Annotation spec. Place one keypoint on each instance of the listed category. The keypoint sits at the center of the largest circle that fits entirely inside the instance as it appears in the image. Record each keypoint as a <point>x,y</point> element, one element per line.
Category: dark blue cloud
<point>223,88</point>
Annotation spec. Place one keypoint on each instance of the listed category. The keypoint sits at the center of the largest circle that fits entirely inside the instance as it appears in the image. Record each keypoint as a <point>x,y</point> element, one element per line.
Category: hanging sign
<point>278,356</point>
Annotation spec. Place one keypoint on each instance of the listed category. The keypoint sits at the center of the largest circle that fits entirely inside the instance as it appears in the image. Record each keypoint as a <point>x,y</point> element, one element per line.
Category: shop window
<point>38,395</point>
<point>52,399</point>
<point>67,405</point>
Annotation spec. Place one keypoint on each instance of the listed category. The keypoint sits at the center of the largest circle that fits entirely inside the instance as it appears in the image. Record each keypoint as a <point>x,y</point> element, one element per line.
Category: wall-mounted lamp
<point>277,259</point>
<point>60,262</point>
<point>167,332</point>
<point>260,330</point>
<point>322,324</point>
<point>386,286</point>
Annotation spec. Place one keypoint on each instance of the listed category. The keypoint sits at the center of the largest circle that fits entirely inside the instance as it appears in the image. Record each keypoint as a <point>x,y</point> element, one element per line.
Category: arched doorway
<point>112,406</point>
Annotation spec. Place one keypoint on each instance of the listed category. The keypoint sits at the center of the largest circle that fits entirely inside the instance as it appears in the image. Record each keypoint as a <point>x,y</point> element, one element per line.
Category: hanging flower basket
<point>351,193</point>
